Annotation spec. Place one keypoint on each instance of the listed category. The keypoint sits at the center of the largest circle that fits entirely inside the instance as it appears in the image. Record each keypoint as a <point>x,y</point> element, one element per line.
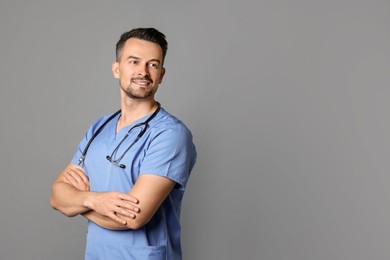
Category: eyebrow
<point>137,58</point>
<point>133,57</point>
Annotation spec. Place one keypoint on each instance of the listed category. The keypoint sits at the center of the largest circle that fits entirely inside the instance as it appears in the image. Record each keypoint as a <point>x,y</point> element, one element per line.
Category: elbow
<point>54,204</point>
<point>53,198</point>
<point>65,211</point>
<point>134,225</point>
<point>137,223</point>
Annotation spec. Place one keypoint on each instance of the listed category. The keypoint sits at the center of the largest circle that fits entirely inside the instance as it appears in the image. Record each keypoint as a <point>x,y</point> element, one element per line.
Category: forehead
<point>142,49</point>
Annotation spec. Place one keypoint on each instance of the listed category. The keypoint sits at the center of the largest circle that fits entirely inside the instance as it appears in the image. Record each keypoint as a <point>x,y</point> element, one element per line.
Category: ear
<point>162,75</point>
<point>115,69</point>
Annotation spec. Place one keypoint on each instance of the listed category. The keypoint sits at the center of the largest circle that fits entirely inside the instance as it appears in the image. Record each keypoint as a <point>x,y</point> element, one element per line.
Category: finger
<point>70,179</point>
<point>114,217</point>
<point>80,171</point>
<point>128,198</point>
<point>125,213</point>
<point>81,174</point>
<point>75,175</point>
<point>76,184</point>
<point>66,180</point>
<point>77,167</point>
<point>128,206</point>
<point>79,180</point>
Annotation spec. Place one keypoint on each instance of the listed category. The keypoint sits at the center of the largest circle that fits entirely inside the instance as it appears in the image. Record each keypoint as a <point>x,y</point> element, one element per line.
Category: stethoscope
<point>111,158</point>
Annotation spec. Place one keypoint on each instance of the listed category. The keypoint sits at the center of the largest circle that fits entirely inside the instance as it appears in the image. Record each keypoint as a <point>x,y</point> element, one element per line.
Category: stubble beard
<point>140,93</point>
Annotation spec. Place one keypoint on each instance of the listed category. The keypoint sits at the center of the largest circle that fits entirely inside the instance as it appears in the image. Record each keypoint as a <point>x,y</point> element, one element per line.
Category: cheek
<point>157,77</point>
<point>125,76</point>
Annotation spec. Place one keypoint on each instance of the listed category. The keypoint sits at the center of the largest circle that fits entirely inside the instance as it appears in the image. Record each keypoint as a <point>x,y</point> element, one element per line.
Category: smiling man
<point>130,171</point>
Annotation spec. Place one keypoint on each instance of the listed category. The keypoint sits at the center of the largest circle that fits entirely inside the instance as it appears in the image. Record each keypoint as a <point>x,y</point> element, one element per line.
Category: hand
<point>76,177</point>
<point>110,204</point>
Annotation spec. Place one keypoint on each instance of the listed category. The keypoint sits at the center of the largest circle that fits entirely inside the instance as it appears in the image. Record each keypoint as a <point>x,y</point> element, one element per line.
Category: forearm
<point>71,195</point>
<point>145,208</point>
<point>69,200</point>
<point>103,221</point>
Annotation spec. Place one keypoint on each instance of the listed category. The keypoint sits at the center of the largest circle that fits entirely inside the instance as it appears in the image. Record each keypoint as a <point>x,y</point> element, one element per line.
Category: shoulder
<point>169,124</point>
<point>103,120</point>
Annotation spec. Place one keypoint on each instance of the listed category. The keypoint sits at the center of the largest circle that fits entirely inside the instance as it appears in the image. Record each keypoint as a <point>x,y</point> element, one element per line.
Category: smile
<point>141,82</point>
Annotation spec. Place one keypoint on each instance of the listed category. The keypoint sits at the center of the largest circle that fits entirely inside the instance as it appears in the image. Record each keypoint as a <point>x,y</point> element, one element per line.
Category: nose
<point>143,70</point>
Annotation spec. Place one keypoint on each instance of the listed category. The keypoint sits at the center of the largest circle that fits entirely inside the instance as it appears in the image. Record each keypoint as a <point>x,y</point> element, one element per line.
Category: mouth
<point>141,82</point>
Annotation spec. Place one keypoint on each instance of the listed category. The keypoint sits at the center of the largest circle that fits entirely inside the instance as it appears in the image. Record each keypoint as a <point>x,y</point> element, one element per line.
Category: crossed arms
<point>112,210</point>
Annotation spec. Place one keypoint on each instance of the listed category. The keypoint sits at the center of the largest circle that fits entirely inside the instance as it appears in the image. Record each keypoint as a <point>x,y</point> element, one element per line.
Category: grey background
<point>288,102</point>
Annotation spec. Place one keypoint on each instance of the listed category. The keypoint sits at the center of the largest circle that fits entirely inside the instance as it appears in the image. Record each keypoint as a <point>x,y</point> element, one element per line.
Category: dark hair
<point>147,34</point>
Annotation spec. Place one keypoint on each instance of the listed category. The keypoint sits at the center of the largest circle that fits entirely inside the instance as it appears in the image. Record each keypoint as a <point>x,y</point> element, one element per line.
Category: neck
<point>132,110</point>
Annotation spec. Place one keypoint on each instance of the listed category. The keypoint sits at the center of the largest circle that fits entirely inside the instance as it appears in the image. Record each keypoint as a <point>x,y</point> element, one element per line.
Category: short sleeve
<point>171,154</point>
<point>80,147</point>
<point>88,135</point>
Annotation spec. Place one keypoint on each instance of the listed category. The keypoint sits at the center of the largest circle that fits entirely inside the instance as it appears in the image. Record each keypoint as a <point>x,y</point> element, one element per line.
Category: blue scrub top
<point>166,149</point>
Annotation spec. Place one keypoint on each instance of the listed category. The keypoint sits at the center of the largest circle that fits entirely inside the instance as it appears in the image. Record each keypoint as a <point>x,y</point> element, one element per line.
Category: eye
<point>133,61</point>
<point>154,65</point>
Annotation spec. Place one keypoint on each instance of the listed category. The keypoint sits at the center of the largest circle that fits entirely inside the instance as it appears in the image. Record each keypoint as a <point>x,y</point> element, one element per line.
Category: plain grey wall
<point>288,102</point>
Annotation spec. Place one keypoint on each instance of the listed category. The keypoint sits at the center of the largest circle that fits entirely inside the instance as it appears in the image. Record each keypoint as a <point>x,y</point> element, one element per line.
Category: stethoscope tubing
<point>115,162</point>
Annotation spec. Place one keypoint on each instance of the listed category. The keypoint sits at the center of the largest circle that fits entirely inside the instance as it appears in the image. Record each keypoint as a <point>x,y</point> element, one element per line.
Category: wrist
<point>90,200</point>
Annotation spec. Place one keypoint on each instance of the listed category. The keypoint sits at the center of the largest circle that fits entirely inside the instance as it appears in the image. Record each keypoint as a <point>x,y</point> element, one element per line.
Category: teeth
<point>141,82</point>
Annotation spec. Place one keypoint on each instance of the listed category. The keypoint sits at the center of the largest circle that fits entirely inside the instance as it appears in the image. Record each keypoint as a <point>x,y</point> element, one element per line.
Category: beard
<point>139,92</point>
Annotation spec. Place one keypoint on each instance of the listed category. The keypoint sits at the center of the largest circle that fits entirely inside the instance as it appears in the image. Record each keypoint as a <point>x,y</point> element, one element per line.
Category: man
<point>130,172</point>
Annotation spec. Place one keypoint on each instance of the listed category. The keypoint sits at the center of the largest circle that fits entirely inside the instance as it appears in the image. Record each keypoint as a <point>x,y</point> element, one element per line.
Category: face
<point>139,68</point>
